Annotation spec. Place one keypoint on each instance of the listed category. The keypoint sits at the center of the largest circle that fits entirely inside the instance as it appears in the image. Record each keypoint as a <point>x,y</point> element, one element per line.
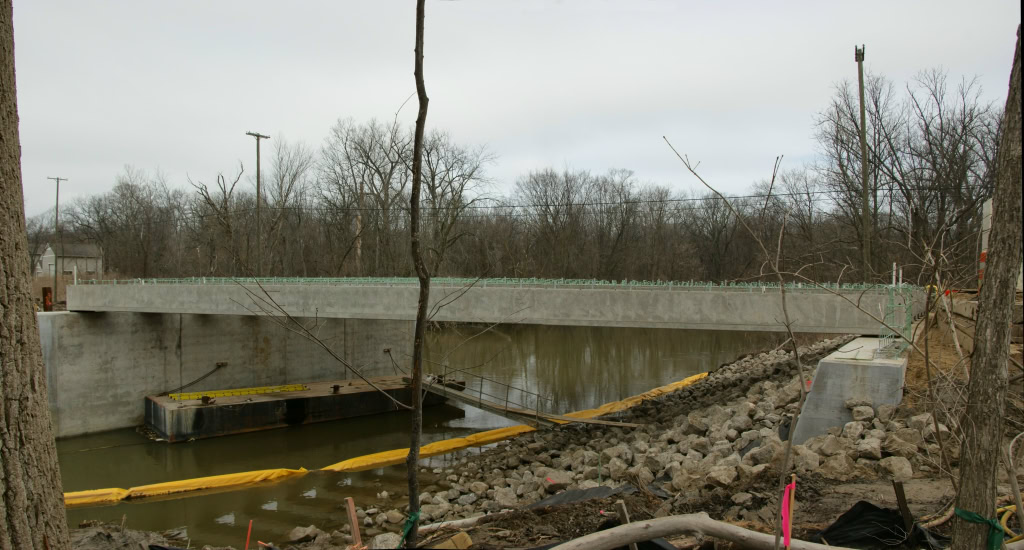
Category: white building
<point>88,258</point>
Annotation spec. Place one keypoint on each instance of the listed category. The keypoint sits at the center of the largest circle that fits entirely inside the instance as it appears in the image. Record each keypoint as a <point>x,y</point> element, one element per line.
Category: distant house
<point>87,257</point>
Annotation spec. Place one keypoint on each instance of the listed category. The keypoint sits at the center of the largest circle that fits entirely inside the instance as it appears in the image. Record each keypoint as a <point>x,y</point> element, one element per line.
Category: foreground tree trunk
<point>412,462</point>
<point>31,502</point>
<point>986,391</point>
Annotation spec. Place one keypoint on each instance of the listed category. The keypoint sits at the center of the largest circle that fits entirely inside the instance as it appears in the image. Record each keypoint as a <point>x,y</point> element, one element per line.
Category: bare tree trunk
<point>986,391</point>
<point>31,502</point>
<point>412,462</point>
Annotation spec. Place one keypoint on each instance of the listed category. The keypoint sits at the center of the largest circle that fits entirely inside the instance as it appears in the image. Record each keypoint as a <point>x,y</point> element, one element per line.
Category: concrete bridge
<point>749,307</point>
<point>123,341</point>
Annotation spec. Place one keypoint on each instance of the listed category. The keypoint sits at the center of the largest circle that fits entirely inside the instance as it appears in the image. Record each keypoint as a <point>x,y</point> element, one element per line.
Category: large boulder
<point>869,448</point>
<point>683,480</point>
<point>656,462</point>
<point>804,459</point>
<point>910,435</point>
<point>741,423</point>
<point>643,473</point>
<point>722,475</point>
<point>862,413</point>
<point>895,446</point>
<point>506,498</point>
<point>386,540</point>
<point>838,467</point>
<point>830,445</point>
<point>853,430</point>
<point>696,424</point>
<point>770,449</point>
<point>897,468</point>
<point>919,421</point>
<point>617,468</point>
<point>556,480</point>
<point>855,402</point>
<point>304,534</point>
<point>717,416</point>
<point>435,511</point>
<point>886,412</point>
<point>621,451</point>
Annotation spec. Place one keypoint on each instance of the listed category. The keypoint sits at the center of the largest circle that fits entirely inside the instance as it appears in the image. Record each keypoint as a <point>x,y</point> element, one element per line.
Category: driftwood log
<point>689,524</point>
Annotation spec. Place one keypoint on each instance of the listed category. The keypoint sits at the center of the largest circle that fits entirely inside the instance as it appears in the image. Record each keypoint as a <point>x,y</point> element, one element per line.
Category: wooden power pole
<point>56,231</point>
<point>865,204</point>
<point>259,234</point>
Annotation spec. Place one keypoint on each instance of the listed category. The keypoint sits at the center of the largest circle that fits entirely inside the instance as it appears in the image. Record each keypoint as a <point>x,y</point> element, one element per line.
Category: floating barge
<point>185,416</point>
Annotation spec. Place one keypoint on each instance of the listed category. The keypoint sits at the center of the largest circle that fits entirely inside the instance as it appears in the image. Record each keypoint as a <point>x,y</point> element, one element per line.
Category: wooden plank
<point>485,404</point>
<point>620,507</point>
<point>592,421</point>
<point>901,500</point>
<point>503,410</point>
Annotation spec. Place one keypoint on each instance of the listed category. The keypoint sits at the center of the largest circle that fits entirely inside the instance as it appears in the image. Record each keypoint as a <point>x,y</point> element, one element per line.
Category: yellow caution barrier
<point>360,463</point>
<point>95,497</point>
<point>397,456</point>
<point>112,496</point>
<point>632,401</point>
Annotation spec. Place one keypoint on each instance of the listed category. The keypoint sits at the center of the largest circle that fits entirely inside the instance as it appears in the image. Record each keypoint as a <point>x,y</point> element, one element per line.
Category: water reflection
<point>571,368</point>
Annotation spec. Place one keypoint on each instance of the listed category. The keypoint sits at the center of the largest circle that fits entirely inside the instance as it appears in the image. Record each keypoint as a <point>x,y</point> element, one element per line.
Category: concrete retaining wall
<point>100,366</point>
<point>725,309</point>
<point>851,372</point>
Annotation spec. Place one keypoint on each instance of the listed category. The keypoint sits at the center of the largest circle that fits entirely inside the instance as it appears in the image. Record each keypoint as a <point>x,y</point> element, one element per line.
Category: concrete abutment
<point>100,366</point>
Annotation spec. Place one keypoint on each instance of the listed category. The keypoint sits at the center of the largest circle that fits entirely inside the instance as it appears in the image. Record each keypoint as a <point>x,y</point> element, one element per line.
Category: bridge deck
<point>708,307</point>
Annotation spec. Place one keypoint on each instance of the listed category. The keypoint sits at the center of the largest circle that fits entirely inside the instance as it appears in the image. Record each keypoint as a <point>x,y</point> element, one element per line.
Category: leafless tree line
<point>342,209</point>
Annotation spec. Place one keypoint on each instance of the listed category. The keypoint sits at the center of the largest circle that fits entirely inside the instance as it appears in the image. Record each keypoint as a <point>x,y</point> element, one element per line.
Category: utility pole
<point>259,234</point>
<point>56,231</point>
<point>865,205</point>
<point>359,232</point>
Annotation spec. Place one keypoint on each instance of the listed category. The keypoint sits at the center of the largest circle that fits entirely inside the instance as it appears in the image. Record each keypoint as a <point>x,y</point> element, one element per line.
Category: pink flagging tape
<point>786,524</point>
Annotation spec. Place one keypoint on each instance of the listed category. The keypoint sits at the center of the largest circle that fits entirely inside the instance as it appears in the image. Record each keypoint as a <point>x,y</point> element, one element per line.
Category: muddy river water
<point>571,368</point>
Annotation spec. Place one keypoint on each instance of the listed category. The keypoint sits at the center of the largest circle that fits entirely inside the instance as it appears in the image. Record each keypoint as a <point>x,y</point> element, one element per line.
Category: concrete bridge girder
<point>810,310</point>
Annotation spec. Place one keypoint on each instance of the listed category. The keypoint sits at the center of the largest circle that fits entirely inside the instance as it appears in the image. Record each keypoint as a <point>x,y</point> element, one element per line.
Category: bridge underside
<point>810,310</point>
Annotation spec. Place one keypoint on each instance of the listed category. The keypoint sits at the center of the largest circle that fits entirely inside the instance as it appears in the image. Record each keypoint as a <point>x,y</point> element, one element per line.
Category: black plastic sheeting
<point>868,526</point>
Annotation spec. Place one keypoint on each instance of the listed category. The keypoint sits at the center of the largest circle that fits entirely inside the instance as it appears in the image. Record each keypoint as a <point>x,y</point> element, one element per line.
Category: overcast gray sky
<point>585,84</point>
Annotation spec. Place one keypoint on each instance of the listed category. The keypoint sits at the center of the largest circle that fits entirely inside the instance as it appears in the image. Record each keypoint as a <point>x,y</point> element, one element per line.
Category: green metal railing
<point>899,315</point>
<point>497,282</point>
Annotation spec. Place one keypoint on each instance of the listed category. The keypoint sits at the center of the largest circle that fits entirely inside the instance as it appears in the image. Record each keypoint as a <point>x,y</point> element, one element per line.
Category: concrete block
<point>850,373</point>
